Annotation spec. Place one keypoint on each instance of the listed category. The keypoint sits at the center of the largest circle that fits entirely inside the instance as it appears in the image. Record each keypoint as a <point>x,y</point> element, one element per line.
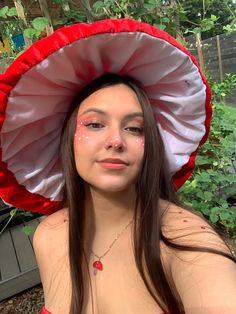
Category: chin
<point>113,188</point>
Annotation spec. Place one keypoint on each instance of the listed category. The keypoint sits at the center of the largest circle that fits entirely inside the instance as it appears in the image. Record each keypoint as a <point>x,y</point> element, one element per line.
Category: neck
<point>107,213</point>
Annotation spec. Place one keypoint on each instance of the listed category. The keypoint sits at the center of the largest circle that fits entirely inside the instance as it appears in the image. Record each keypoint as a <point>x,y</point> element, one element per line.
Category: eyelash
<point>94,125</point>
<point>133,129</point>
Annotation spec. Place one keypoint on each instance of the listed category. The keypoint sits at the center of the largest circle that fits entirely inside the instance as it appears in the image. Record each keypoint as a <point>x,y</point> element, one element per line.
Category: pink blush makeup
<point>140,142</point>
<point>81,132</point>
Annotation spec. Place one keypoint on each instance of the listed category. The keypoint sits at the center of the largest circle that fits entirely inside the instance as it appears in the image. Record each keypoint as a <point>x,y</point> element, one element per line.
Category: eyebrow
<point>99,111</point>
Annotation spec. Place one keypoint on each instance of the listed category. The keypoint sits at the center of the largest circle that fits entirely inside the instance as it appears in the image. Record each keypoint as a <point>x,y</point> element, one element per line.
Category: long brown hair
<point>153,184</point>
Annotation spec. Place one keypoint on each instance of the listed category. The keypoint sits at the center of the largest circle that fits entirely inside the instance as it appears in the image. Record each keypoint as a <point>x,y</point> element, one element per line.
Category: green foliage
<point>9,27</point>
<point>209,17</point>
<point>203,190</point>
<point>155,12</point>
<point>70,17</point>
<point>14,26</point>
<point>212,185</point>
<point>39,24</point>
<point>180,17</point>
<point>198,15</point>
<point>13,213</point>
<point>6,12</point>
<point>205,25</point>
<point>19,213</point>
<point>223,88</point>
<point>28,230</point>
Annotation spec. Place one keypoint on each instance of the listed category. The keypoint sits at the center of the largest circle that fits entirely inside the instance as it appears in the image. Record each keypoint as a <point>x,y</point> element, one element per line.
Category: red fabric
<point>45,311</point>
<point>10,190</point>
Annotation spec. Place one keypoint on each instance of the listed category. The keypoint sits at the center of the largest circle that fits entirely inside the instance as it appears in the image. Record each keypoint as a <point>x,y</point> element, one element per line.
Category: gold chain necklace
<point>97,264</point>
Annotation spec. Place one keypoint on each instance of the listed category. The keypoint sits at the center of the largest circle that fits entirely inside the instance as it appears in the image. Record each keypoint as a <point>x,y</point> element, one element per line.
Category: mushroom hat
<point>38,88</point>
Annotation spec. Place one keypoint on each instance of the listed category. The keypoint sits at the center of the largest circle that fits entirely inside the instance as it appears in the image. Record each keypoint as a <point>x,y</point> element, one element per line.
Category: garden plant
<point>211,188</point>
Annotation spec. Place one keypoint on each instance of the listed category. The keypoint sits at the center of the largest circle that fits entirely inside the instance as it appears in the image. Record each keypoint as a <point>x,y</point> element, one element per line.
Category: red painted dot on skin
<point>185,220</point>
<point>202,227</point>
<point>180,212</point>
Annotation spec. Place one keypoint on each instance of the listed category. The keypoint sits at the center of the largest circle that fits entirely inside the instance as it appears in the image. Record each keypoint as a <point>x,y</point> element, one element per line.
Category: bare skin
<point>198,277</point>
<point>201,281</point>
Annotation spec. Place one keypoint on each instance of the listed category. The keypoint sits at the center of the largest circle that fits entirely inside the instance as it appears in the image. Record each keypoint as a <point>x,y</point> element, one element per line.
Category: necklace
<point>97,264</point>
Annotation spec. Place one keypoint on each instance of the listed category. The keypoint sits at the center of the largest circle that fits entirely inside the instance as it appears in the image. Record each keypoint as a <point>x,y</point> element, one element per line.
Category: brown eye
<point>94,125</point>
<point>135,130</point>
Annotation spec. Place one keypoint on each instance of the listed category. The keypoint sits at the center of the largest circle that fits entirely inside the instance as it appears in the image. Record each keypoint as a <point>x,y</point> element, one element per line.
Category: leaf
<point>40,23</point>
<point>13,212</point>
<point>214,217</point>
<point>12,12</point>
<point>201,195</point>
<point>232,178</point>
<point>60,22</point>
<point>27,214</point>
<point>166,20</point>
<point>202,160</point>
<point>160,26</point>
<point>98,5</point>
<point>225,205</point>
<point>30,33</point>
<point>224,215</point>
<point>204,210</point>
<point>193,183</point>
<point>229,191</point>
<point>215,210</point>
<point>19,53</point>
<point>214,18</point>
<point>28,230</point>
<point>196,30</point>
<point>3,11</point>
<point>208,195</point>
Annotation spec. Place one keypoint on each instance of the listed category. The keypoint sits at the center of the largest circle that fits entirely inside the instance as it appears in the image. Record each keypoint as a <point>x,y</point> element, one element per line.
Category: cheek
<point>138,148</point>
<point>81,135</point>
<point>140,143</point>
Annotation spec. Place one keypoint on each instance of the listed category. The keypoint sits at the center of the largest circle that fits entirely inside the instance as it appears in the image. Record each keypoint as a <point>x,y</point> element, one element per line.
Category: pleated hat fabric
<point>36,92</point>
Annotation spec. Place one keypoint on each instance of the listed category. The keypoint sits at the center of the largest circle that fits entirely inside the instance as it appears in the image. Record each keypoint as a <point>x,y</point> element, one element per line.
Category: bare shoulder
<point>203,279</point>
<point>50,244</point>
<point>51,223</point>
<point>187,227</point>
<point>50,231</point>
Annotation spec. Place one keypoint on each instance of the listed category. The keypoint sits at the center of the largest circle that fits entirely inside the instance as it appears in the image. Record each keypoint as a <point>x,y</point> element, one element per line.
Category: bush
<point>211,188</point>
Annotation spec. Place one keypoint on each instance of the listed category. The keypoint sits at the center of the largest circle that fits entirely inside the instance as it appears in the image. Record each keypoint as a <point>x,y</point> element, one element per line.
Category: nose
<point>116,144</point>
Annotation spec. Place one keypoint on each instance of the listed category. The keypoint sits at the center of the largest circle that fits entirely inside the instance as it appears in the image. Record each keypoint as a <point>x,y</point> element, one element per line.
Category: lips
<point>113,163</point>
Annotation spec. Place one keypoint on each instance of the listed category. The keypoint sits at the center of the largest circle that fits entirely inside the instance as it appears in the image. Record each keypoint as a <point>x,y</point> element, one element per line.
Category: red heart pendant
<point>98,265</point>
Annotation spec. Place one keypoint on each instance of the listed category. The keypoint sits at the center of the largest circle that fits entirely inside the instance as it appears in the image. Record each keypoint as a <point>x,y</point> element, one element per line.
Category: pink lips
<point>113,163</point>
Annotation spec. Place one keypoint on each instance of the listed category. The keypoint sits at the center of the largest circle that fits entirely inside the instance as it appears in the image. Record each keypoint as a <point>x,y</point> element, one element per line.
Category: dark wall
<point>211,57</point>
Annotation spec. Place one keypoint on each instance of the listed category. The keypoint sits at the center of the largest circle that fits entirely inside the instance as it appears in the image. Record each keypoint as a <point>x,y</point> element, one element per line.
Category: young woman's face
<point>109,139</point>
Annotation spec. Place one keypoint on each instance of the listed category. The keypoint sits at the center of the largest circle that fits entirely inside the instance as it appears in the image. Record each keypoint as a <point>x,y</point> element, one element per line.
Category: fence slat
<point>199,50</point>
<point>8,260</point>
<point>219,58</point>
<point>24,250</point>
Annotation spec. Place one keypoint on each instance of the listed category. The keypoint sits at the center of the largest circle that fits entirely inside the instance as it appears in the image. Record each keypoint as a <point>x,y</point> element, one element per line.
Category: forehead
<point>113,98</point>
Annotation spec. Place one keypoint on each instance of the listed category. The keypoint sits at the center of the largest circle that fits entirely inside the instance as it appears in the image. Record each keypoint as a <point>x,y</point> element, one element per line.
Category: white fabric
<point>31,135</point>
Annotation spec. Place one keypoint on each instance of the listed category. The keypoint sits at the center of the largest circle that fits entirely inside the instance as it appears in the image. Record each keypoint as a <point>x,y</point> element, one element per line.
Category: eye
<point>94,125</point>
<point>135,130</point>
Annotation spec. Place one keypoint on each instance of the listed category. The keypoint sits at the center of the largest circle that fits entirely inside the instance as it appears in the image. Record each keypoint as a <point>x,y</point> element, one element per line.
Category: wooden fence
<point>18,267</point>
<point>216,56</point>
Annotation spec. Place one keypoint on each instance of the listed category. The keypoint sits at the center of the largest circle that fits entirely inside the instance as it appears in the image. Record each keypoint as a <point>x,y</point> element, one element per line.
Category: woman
<point>121,243</point>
